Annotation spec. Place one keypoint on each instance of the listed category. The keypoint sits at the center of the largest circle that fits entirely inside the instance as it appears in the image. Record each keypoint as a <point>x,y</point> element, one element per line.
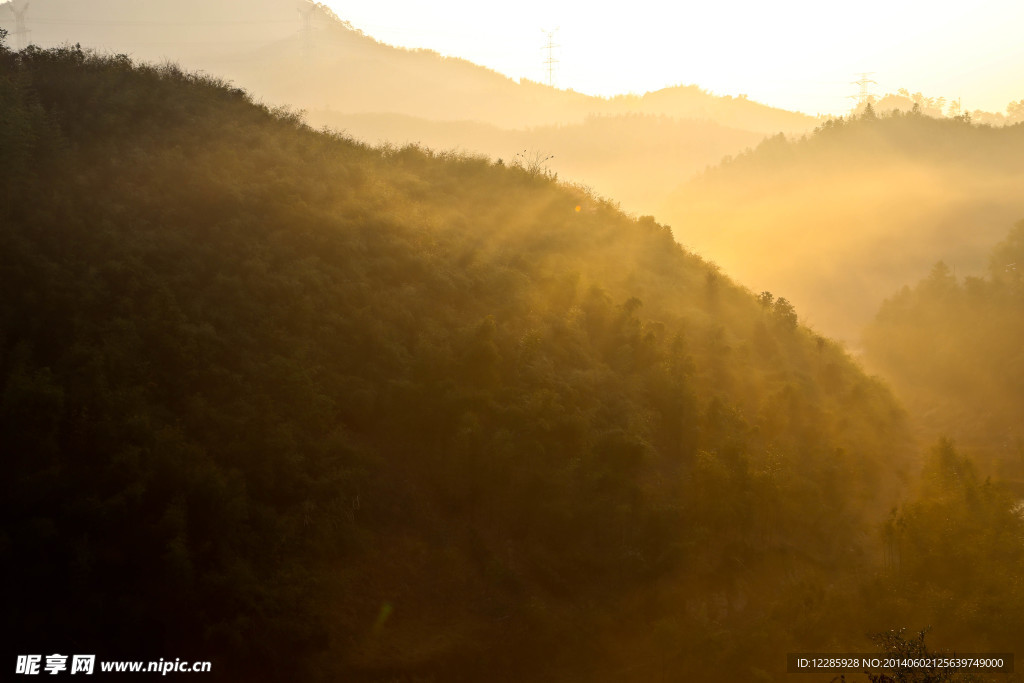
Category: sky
<point>794,54</point>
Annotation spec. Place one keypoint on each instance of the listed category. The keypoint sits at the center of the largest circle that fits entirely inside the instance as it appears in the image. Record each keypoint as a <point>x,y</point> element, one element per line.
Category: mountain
<point>839,219</point>
<point>636,148</point>
<point>951,346</point>
<point>314,410</point>
<point>636,158</point>
<point>267,47</point>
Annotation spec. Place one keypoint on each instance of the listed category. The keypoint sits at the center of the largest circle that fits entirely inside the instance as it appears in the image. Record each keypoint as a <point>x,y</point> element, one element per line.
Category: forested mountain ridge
<point>635,159</point>
<point>951,345</point>
<point>312,409</point>
<point>315,60</point>
<point>842,218</point>
<point>635,148</point>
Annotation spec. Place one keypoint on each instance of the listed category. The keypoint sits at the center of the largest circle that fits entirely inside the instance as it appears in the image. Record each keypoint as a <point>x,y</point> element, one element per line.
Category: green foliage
<point>954,344</point>
<point>952,347</point>
<point>893,644</point>
<point>331,412</point>
<point>952,555</point>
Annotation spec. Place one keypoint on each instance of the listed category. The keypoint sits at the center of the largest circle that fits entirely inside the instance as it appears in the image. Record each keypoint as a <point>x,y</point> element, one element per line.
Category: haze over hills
<point>952,347</point>
<point>865,205</point>
<point>602,152</point>
<point>263,45</point>
<point>316,410</point>
<point>349,81</point>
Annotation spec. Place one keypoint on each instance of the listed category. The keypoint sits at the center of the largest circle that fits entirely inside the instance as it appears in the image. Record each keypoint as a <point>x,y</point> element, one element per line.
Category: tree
<point>1015,112</point>
<point>893,644</point>
<point>784,312</point>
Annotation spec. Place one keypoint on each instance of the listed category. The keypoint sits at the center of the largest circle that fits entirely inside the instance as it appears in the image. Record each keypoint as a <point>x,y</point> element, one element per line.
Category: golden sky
<point>795,54</point>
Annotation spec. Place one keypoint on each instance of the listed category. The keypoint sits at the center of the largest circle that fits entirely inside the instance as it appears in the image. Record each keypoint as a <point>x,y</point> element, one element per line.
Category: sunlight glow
<point>795,54</point>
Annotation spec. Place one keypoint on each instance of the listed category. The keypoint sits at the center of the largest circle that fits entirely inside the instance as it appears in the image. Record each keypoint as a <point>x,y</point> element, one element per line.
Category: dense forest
<point>841,218</point>
<point>952,347</point>
<point>315,410</point>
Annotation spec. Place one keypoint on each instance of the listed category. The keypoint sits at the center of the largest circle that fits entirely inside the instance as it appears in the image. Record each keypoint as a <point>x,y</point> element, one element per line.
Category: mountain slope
<point>264,46</point>
<point>317,411</point>
<point>637,159</point>
<point>839,220</point>
<point>642,147</point>
<point>952,348</point>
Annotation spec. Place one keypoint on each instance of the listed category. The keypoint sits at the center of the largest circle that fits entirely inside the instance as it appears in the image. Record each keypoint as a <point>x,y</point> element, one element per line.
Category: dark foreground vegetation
<point>319,411</point>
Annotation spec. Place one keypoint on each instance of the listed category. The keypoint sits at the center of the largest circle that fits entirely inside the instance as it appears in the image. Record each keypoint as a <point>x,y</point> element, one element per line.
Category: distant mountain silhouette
<point>636,148</point>
<point>637,159</point>
<point>264,46</point>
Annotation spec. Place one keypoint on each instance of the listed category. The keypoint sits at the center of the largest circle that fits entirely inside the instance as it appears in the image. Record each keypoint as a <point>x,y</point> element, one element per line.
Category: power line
<point>865,91</point>
<point>21,33</point>
<point>307,28</point>
<point>550,62</point>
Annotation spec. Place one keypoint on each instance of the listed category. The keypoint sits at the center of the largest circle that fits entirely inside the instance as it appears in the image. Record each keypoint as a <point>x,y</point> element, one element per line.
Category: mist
<point>631,148</point>
<point>322,360</point>
<point>840,219</point>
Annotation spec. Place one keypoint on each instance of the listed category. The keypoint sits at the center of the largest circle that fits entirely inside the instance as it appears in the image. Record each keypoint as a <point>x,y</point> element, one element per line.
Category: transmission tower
<point>865,91</point>
<point>21,34</point>
<point>307,10</point>
<point>550,61</point>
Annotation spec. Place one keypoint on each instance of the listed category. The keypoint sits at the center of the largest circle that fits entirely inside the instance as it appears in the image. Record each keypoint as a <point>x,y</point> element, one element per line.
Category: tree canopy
<point>316,410</point>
